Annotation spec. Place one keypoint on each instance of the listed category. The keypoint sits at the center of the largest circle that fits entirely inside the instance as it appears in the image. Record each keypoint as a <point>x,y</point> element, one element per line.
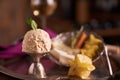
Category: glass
<point>101,60</point>
<point>43,9</point>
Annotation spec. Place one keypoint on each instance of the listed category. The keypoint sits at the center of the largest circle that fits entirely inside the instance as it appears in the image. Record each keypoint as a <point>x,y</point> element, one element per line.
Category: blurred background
<point>100,16</point>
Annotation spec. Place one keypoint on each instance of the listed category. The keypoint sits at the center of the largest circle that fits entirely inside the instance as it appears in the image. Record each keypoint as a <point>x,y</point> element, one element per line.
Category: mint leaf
<point>29,20</point>
<point>32,23</point>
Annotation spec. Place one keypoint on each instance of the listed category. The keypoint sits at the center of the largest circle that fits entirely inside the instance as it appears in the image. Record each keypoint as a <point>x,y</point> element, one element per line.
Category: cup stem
<point>36,68</point>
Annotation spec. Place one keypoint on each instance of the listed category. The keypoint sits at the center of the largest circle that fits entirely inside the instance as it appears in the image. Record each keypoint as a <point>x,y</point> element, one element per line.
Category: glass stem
<point>43,22</point>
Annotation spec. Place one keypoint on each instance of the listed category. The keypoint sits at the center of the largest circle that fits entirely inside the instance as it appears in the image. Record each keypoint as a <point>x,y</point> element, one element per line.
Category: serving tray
<point>17,69</point>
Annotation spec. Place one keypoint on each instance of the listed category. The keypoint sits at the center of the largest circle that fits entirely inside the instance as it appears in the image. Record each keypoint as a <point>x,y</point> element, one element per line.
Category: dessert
<point>36,41</point>
<point>78,50</point>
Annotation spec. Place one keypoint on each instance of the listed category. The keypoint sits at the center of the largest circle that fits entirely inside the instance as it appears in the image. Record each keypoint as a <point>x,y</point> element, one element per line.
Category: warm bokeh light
<point>36,12</point>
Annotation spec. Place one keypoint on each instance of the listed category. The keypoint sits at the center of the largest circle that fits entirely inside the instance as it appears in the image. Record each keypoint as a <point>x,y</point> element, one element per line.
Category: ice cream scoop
<point>36,41</point>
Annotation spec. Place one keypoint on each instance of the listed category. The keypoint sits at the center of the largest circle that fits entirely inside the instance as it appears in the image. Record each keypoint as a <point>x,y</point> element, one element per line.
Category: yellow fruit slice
<point>94,39</point>
<point>80,58</point>
<point>81,66</point>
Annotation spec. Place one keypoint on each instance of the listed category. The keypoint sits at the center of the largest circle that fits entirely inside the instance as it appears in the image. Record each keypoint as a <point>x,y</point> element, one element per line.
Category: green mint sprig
<point>32,23</point>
